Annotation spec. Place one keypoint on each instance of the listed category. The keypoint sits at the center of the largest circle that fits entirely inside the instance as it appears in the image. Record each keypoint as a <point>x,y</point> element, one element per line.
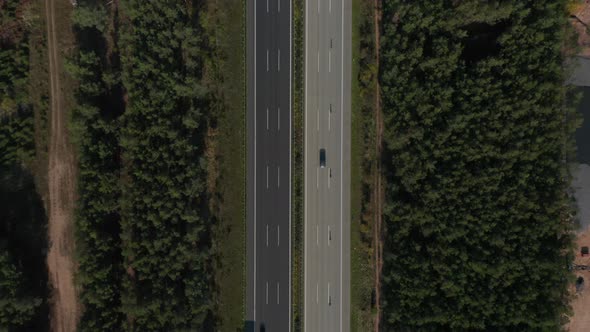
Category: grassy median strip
<point>297,272</point>
<point>226,72</point>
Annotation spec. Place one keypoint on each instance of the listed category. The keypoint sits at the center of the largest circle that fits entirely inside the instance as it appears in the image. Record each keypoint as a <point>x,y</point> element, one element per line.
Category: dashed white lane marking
<point>267,8</point>
<point>267,62</point>
<point>267,118</point>
<point>279,119</point>
<point>278,294</point>
<point>318,119</point>
<point>329,61</point>
<point>318,6</point>
<point>267,235</point>
<point>278,236</point>
<point>266,176</point>
<point>279,59</point>
<point>267,292</point>
<point>330,6</point>
<point>317,234</point>
<point>317,293</point>
<point>318,177</point>
<point>278,176</point>
<point>318,61</point>
<point>279,5</point>
<point>328,235</point>
<point>330,118</point>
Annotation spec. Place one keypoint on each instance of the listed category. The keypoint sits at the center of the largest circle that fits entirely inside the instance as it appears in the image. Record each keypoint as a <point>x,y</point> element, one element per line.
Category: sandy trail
<point>64,307</point>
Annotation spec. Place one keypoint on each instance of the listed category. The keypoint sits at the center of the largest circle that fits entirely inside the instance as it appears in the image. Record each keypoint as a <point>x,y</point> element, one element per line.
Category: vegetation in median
<point>297,162</point>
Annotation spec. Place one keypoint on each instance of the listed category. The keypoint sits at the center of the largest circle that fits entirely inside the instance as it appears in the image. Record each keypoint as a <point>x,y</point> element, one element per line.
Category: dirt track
<point>64,307</point>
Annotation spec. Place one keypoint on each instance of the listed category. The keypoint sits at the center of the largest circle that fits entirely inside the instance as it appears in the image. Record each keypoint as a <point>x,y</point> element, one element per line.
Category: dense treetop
<point>477,212</point>
<point>142,223</point>
<point>23,244</point>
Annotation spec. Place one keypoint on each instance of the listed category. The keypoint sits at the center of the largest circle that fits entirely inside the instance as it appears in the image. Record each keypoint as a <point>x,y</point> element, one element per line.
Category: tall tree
<point>477,211</point>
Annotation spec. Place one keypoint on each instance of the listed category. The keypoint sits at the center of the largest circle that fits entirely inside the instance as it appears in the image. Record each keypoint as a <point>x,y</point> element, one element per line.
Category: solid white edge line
<point>341,154</point>
<point>290,138</point>
<point>255,169</point>
<point>305,177</point>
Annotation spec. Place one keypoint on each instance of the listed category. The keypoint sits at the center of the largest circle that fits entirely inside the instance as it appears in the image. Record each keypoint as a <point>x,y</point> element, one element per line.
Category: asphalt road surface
<point>327,190</point>
<point>268,292</point>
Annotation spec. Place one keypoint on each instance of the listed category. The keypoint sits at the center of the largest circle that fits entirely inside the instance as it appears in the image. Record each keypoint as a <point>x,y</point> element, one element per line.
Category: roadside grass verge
<point>297,271</point>
<point>225,76</point>
<point>363,162</point>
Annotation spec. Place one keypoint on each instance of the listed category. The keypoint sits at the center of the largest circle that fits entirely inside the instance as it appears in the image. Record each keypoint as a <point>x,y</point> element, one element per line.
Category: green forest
<point>477,135</point>
<point>23,243</point>
<point>145,97</point>
<point>478,139</point>
<point>142,223</point>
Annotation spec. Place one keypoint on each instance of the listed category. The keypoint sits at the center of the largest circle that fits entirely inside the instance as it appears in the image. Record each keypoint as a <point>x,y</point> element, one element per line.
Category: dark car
<point>322,158</point>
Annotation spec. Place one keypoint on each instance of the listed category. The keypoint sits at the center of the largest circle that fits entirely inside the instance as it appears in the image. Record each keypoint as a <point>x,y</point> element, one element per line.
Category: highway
<point>327,189</point>
<point>268,280</point>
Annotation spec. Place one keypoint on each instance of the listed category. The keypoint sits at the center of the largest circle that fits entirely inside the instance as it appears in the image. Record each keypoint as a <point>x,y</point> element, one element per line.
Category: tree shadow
<point>23,234</point>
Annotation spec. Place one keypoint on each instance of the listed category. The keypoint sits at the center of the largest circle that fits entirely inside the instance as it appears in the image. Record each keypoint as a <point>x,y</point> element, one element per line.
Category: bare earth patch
<point>580,321</point>
<point>64,306</point>
<point>581,20</point>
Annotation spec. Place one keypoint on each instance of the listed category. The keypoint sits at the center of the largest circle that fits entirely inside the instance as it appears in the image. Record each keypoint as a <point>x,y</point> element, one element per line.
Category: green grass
<point>297,168</point>
<point>362,141</point>
<point>226,26</point>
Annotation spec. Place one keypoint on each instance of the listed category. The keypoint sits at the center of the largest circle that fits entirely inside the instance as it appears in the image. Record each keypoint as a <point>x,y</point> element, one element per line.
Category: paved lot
<point>269,165</point>
<point>327,190</point>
